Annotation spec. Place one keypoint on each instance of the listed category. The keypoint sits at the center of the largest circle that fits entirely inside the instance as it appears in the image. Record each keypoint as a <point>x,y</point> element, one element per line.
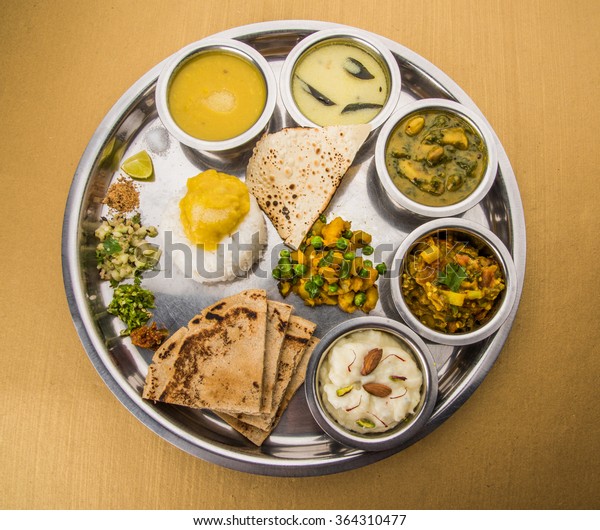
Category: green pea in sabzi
<point>330,268</point>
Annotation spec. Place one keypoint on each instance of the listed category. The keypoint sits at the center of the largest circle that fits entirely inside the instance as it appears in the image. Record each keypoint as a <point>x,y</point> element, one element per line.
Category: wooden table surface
<point>530,435</point>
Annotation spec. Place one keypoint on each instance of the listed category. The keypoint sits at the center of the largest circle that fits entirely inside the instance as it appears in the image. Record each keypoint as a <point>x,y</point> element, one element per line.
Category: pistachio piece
<point>371,361</point>
<point>344,390</point>
<point>365,423</point>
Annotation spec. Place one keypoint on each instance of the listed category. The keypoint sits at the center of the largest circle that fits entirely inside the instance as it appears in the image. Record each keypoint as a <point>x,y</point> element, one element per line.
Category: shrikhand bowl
<point>371,384</point>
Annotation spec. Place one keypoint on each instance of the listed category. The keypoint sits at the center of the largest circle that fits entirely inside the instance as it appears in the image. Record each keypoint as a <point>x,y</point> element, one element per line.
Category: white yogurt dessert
<point>370,382</point>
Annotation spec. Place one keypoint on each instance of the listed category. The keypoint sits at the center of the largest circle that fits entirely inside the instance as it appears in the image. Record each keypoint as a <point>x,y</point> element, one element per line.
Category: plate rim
<point>260,463</point>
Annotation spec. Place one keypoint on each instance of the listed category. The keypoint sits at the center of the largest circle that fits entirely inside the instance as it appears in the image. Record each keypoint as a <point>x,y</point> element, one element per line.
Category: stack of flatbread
<point>243,357</point>
<point>294,173</point>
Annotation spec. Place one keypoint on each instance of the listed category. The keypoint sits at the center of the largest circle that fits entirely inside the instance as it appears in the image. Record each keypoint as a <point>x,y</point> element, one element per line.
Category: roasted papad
<point>294,173</point>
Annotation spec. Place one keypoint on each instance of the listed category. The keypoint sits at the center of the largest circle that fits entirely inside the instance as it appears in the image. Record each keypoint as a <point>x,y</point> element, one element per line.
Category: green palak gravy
<point>435,157</point>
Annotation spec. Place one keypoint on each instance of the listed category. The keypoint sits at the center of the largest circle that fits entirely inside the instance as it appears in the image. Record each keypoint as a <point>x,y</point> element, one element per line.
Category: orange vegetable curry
<point>451,285</point>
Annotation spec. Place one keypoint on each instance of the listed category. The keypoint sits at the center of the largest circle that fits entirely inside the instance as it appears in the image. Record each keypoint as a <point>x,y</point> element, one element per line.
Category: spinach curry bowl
<point>453,281</point>
<point>436,158</point>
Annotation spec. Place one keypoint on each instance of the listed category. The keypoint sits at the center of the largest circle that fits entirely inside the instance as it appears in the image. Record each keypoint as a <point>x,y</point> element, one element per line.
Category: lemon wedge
<point>138,166</point>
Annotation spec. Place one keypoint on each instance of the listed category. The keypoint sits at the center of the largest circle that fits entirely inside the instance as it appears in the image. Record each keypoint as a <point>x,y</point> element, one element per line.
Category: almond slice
<point>377,389</point>
<point>371,361</point>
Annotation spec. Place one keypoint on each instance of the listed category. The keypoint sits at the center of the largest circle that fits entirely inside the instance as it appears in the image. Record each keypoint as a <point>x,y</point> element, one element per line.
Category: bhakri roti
<point>278,317</point>
<point>257,435</point>
<point>217,361</point>
<point>297,337</point>
<point>294,173</point>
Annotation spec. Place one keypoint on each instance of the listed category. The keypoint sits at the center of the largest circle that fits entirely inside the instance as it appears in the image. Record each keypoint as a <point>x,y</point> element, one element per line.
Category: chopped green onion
<point>131,303</point>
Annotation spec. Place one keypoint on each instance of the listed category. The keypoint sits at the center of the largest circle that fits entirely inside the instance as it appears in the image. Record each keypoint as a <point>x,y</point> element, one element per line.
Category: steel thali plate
<point>297,447</point>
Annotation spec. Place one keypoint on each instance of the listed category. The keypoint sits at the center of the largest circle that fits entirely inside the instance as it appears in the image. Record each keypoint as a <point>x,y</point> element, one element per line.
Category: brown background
<point>528,438</point>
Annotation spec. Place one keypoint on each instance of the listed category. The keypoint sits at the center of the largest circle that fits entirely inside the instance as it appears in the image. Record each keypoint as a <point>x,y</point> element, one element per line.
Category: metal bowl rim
<point>477,121</point>
<point>398,435</point>
<point>352,34</point>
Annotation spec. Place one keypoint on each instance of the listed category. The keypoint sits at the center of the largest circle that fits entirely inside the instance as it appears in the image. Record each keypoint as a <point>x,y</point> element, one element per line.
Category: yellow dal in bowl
<point>216,96</point>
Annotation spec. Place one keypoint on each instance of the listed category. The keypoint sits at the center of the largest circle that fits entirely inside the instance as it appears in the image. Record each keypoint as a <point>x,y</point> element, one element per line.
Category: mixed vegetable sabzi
<point>331,267</point>
<point>450,285</point>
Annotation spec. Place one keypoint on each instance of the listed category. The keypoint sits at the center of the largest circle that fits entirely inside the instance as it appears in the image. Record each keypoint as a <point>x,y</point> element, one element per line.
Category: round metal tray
<point>297,447</point>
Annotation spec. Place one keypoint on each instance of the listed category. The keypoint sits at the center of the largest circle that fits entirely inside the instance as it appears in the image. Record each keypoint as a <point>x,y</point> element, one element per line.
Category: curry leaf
<point>353,107</point>
<point>321,98</point>
<point>357,69</point>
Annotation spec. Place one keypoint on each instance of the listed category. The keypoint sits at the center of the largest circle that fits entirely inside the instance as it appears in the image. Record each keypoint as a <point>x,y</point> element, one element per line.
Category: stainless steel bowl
<point>406,430</point>
<point>232,145</point>
<point>471,232</point>
<point>357,38</point>
<point>477,121</point>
